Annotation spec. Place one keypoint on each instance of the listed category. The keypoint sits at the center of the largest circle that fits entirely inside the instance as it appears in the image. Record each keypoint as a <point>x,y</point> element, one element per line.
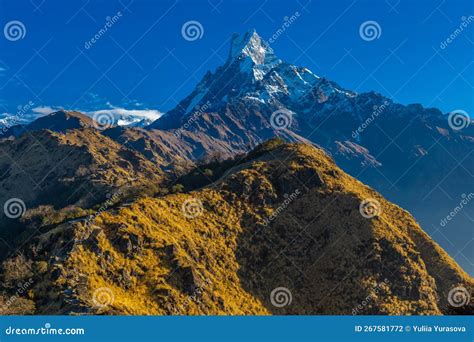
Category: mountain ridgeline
<point>225,248</point>
<point>200,213</point>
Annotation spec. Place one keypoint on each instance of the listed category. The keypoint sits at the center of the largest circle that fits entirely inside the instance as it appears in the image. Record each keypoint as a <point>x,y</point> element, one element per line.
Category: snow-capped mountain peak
<point>252,54</point>
<point>254,74</point>
<point>251,45</point>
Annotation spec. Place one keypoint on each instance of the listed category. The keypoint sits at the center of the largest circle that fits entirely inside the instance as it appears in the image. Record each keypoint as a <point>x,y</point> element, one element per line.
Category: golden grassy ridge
<point>285,217</point>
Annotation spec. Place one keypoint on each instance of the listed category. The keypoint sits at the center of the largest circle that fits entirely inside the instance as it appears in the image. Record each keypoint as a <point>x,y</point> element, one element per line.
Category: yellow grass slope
<point>285,217</point>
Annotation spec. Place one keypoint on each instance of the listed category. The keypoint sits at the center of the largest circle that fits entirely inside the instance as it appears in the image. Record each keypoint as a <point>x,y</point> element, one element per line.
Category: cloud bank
<point>122,116</point>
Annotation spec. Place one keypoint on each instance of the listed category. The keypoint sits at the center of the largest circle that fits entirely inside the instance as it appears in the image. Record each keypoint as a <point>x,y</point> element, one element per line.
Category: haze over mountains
<point>88,181</point>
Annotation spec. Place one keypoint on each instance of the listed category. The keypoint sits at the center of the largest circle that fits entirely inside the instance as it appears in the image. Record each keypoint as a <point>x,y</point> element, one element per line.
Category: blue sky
<point>143,62</point>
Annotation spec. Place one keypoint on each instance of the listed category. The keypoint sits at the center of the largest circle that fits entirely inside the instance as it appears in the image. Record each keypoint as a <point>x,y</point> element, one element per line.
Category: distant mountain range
<point>97,183</point>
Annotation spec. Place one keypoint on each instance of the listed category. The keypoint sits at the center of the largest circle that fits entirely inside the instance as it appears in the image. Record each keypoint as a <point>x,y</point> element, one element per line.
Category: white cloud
<point>44,110</point>
<point>149,114</point>
<point>127,117</point>
<point>122,116</point>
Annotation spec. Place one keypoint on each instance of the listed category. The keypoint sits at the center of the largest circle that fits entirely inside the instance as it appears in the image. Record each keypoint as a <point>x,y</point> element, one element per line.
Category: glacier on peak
<point>252,71</point>
<point>251,45</point>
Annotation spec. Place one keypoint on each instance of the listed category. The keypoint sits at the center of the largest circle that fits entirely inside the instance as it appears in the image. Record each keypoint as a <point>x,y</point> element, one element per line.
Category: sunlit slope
<point>284,217</point>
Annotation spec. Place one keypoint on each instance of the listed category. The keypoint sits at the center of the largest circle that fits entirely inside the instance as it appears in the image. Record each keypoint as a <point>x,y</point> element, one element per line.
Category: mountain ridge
<point>389,146</point>
<point>225,247</point>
